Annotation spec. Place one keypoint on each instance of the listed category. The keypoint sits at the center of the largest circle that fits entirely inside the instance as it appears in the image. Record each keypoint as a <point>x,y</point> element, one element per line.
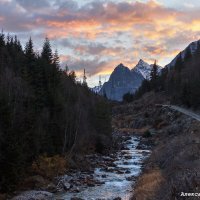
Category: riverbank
<point>108,177</point>
<point>173,167</point>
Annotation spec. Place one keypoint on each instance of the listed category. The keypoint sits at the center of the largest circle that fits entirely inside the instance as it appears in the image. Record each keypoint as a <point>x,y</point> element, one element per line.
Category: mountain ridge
<point>192,47</point>
<point>124,80</point>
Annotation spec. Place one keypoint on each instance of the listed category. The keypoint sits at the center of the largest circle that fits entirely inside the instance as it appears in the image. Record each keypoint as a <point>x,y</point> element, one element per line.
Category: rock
<point>117,198</point>
<point>66,186</point>
<point>76,190</point>
<point>119,172</point>
<point>90,184</point>
<point>104,176</point>
<point>34,195</point>
<point>76,198</point>
<point>131,178</point>
<point>128,157</point>
<point>127,172</point>
<point>51,188</point>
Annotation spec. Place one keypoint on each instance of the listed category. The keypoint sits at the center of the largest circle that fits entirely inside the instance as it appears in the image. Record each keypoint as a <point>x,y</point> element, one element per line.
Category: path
<point>184,111</point>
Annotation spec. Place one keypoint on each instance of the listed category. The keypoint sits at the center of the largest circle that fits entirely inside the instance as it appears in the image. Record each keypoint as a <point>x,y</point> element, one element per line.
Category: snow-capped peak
<point>144,68</point>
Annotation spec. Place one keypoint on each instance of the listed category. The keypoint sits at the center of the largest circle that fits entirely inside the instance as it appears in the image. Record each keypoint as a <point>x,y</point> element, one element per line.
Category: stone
<point>34,195</point>
<point>131,178</point>
<point>66,186</point>
<point>117,198</point>
<point>76,198</point>
<point>51,188</point>
<point>127,172</point>
<point>103,176</point>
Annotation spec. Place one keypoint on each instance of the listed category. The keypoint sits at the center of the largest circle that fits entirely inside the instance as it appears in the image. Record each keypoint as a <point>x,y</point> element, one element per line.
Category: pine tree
<point>2,39</point>
<point>84,79</point>
<point>47,52</point>
<point>29,52</point>
<point>56,60</point>
<point>72,76</point>
<point>154,76</point>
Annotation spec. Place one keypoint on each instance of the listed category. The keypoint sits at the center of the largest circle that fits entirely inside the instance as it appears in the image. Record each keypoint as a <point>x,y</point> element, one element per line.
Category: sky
<point>99,34</point>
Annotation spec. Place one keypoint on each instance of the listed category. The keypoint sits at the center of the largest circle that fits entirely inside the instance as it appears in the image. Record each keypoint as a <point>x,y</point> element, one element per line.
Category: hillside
<point>45,115</point>
<point>173,166</point>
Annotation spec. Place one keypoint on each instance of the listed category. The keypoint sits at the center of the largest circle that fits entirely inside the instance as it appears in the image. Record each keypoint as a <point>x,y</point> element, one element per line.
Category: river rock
<point>34,195</point>
<point>104,176</point>
<point>76,198</point>
<point>131,178</point>
<point>66,186</point>
<point>117,198</point>
<point>127,172</point>
<point>119,172</point>
<point>51,188</point>
<point>75,189</point>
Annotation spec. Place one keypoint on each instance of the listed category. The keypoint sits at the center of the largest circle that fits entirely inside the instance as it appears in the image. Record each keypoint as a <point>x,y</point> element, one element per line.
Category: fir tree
<point>46,51</point>
<point>154,76</point>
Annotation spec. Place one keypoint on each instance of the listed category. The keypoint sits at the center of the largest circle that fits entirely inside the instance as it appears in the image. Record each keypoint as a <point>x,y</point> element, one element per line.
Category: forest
<point>44,111</point>
<point>181,82</point>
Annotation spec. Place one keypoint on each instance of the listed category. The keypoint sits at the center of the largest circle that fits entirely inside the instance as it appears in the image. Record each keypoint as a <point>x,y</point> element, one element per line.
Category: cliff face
<point>121,81</point>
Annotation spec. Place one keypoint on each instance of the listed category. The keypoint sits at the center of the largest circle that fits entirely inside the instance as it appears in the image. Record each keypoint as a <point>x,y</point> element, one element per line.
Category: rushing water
<point>119,180</point>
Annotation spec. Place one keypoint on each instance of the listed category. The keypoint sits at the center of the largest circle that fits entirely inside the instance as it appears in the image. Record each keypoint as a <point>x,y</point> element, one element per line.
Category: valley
<point>136,137</point>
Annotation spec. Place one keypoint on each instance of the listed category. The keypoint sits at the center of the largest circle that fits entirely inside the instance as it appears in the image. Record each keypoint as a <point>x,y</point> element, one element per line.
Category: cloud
<point>30,4</point>
<point>98,34</point>
<point>92,66</point>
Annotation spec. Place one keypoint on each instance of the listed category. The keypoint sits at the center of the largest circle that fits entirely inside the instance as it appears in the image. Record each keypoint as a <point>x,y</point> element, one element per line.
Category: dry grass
<point>148,185</point>
<point>174,165</point>
<point>49,167</point>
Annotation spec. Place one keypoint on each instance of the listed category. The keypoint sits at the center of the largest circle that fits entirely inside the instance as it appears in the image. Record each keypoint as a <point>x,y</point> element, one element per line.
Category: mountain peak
<point>141,61</point>
<point>143,68</point>
<point>120,66</point>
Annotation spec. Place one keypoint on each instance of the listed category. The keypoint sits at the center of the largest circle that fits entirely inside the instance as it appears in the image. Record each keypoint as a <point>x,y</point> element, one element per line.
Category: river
<point>118,181</point>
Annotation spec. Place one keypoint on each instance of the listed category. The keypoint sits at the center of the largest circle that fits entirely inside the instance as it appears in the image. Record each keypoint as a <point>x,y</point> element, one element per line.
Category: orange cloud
<point>147,30</point>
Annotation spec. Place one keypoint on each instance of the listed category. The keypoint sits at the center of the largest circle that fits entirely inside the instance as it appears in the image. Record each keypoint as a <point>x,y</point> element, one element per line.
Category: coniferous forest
<point>181,83</point>
<point>44,110</point>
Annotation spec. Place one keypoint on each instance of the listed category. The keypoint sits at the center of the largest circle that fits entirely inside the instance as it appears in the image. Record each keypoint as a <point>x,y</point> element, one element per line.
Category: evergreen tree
<point>154,76</point>
<point>56,60</point>
<point>84,79</point>
<point>46,51</point>
<point>2,39</point>
<point>29,52</point>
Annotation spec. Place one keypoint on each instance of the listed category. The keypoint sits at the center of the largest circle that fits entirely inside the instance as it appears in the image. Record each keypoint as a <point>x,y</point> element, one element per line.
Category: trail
<point>184,111</point>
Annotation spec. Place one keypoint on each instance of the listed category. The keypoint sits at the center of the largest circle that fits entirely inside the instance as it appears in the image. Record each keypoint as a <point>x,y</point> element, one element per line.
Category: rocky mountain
<point>190,49</point>
<point>144,68</point>
<point>122,81</point>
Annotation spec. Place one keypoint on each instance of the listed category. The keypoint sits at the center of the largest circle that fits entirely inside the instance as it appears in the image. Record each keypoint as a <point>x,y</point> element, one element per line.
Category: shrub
<point>49,167</point>
<point>147,134</point>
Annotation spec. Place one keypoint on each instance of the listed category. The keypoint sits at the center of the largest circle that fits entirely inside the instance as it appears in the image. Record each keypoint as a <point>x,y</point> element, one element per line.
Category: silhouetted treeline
<point>181,82</point>
<point>43,110</point>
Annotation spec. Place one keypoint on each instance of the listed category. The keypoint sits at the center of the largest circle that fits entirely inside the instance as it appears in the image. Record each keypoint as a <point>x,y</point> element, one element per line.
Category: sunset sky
<point>99,34</point>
